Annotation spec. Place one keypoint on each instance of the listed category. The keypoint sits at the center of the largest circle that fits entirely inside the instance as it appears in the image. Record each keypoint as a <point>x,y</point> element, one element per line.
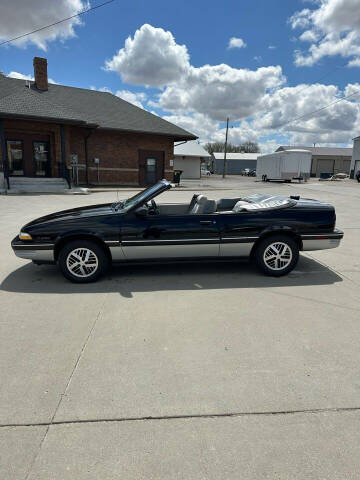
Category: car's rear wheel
<point>277,255</point>
<point>82,261</point>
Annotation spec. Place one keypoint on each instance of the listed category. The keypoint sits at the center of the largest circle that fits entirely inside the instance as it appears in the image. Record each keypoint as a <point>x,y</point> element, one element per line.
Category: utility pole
<point>226,138</point>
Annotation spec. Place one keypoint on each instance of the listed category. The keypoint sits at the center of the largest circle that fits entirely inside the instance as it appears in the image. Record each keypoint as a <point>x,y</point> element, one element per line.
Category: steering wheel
<point>153,210</point>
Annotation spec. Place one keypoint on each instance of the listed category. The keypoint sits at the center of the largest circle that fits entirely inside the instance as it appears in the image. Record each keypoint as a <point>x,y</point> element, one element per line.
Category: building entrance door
<point>28,155</point>
<point>151,167</point>
<point>41,159</point>
<point>151,171</point>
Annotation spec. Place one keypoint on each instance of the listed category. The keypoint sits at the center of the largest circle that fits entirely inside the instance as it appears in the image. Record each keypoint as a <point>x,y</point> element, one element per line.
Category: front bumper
<point>322,241</point>
<point>38,252</point>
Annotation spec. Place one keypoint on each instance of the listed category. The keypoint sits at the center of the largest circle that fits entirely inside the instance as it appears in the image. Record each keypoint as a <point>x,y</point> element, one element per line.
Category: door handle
<point>207,222</point>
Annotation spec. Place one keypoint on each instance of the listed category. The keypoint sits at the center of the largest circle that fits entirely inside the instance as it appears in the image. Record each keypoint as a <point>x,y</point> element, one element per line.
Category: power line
<point>320,78</point>
<point>56,23</point>
<point>265,112</point>
<point>320,109</point>
<point>311,85</point>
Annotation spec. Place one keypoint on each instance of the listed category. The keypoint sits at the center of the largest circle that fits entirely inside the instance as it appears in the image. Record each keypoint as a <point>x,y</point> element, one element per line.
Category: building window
<point>15,152</point>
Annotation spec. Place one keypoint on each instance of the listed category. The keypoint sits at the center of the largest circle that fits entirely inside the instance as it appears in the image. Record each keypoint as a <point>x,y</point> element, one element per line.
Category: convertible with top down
<point>269,229</point>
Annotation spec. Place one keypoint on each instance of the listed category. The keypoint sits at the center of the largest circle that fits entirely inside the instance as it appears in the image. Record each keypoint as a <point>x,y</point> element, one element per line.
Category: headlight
<point>25,236</point>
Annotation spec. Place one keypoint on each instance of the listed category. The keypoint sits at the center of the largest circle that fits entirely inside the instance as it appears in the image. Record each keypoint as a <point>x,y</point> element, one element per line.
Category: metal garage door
<point>343,166</point>
<point>324,166</point>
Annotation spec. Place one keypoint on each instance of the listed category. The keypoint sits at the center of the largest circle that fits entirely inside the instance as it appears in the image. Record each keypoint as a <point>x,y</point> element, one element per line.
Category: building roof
<point>236,156</point>
<point>343,152</point>
<point>191,149</point>
<point>286,152</point>
<point>83,107</point>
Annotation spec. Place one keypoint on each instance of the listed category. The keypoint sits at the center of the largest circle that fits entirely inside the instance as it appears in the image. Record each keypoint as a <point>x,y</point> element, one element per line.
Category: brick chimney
<point>40,73</point>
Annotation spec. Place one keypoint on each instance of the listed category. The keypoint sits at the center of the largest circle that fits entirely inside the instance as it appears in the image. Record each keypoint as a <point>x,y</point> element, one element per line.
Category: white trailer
<point>284,165</point>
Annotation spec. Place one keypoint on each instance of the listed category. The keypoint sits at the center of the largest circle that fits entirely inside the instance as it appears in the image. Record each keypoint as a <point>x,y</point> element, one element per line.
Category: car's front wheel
<point>277,255</point>
<point>82,261</point>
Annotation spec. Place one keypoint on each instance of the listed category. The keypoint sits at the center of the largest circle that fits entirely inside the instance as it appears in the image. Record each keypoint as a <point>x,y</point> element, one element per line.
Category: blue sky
<point>279,49</point>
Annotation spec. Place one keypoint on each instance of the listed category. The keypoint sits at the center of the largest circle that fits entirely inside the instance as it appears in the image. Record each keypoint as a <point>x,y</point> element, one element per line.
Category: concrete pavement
<point>248,376</point>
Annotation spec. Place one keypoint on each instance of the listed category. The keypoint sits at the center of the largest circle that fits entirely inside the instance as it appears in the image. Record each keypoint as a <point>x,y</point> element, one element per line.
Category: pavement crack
<point>186,416</point>
<point>52,421</point>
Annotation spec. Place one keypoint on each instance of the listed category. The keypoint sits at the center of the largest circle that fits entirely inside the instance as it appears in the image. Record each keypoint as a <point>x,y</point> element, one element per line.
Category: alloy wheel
<point>277,256</point>
<point>82,262</point>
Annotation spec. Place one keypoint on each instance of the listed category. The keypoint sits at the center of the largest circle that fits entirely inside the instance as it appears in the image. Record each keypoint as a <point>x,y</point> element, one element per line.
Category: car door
<point>169,236</point>
<point>238,233</point>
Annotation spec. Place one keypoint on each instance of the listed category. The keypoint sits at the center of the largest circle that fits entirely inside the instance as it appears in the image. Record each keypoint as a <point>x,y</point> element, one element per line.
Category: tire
<point>283,262</point>
<point>77,251</point>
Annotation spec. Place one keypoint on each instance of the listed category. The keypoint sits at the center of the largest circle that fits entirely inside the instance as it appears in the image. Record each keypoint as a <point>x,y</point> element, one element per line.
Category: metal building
<point>326,159</point>
<point>235,162</point>
<point>355,162</point>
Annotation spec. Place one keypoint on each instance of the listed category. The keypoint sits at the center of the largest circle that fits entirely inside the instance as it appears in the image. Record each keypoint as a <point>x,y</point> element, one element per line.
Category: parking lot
<point>208,371</point>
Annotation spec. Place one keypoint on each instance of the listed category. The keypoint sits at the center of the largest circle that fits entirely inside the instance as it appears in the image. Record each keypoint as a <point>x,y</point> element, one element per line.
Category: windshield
<point>138,198</point>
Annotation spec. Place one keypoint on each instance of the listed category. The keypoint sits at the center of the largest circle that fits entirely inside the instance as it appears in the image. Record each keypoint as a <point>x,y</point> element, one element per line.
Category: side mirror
<point>141,211</point>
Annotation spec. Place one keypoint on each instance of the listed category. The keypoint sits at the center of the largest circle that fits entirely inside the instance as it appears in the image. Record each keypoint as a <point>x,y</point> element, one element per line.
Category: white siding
<point>189,165</point>
<point>284,164</point>
<point>355,155</point>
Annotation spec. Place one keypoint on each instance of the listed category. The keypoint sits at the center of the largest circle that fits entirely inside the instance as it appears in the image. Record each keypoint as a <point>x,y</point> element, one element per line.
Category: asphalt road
<point>182,372</point>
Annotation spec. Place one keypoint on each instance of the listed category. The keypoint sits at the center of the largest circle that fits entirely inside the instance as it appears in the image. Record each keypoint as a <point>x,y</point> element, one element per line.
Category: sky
<point>261,63</point>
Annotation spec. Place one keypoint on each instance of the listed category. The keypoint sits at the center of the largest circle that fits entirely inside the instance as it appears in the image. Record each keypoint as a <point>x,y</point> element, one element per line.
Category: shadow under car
<point>128,279</point>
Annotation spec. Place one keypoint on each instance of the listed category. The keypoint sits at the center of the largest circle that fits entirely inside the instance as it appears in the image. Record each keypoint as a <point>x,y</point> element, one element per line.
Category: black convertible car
<point>269,229</point>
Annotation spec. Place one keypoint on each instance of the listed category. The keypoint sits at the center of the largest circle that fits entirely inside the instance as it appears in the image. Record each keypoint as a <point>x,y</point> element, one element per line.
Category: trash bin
<point>177,175</point>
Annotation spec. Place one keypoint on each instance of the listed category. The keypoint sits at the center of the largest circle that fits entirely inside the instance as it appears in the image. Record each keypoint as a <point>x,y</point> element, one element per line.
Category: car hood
<point>74,213</point>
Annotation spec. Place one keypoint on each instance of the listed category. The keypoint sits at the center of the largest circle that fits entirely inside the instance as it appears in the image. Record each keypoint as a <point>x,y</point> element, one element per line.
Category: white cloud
<point>352,89</point>
<point>300,19</point>
<point>235,42</point>
<point>333,28</point>
<point>151,57</point>
<point>18,17</point>
<point>101,89</point>
<point>22,76</point>
<point>355,62</point>
<point>268,146</point>
<point>132,97</point>
<point>136,98</point>
<point>220,91</point>
<point>309,36</point>
<point>272,47</point>
<point>336,124</point>
<point>197,123</point>
<point>200,98</point>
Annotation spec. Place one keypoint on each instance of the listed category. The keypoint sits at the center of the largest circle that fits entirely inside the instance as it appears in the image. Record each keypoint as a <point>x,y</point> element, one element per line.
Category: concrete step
<point>40,180</point>
<point>38,185</point>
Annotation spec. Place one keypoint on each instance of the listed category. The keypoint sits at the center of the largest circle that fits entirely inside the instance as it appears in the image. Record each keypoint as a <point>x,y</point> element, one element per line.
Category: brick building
<point>52,131</point>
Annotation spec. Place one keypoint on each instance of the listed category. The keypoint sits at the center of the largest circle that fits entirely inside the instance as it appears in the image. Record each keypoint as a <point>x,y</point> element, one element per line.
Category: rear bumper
<point>38,252</point>
<point>322,241</point>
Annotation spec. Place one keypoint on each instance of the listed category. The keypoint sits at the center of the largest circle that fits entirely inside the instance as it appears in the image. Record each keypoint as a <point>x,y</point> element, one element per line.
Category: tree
<point>246,147</point>
<point>250,147</point>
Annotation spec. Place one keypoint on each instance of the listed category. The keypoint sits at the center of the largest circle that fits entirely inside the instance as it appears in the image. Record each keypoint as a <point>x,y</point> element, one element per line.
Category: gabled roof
<point>236,156</point>
<point>343,152</point>
<point>81,106</point>
<point>191,149</point>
